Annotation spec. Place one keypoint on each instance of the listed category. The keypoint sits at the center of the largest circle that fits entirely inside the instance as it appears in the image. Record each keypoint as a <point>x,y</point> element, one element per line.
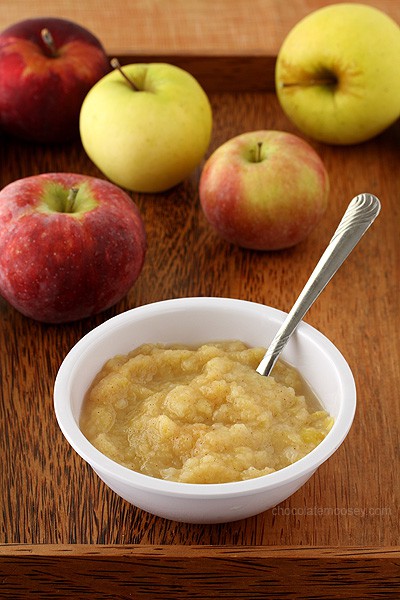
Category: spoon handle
<point>360,214</point>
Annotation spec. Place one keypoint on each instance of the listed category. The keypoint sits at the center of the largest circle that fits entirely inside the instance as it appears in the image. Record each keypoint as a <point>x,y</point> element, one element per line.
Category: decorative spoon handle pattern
<point>360,214</point>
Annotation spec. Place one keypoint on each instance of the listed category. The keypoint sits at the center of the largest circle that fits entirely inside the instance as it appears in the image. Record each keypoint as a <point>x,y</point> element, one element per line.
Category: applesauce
<point>201,414</point>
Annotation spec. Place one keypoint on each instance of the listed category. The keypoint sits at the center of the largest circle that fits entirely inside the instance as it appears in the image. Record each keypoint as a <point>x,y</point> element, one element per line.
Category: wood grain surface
<point>50,496</point>
<point>167,572</point>
<point>211,27</point>
<point>63,533</point>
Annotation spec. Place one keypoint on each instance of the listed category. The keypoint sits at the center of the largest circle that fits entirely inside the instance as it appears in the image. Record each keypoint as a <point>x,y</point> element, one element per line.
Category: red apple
<point>70,245</point>
<point>264,190</point>
<point>47,66</point>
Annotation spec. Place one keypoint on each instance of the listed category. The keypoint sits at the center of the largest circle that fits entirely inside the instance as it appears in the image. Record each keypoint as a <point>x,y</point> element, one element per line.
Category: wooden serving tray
<point>65,534</point>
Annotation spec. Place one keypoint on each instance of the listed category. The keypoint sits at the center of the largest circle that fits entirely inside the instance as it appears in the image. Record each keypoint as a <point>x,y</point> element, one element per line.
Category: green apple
<point>146,126</point>
<point>338,75</point>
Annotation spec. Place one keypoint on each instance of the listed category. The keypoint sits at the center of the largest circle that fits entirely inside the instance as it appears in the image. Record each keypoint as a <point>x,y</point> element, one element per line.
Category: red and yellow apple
<point>70,245</point>
<point>264,190</point>
<point>47,66</point>
<point>146,126</point>
<point>338,73</point>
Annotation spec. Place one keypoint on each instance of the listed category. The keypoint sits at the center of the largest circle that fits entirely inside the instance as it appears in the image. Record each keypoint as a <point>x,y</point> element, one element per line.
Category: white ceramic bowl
<point>192,321</point>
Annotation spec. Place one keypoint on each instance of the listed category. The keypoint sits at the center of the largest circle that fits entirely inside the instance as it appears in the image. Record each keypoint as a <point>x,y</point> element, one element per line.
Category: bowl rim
<point>109,469</point>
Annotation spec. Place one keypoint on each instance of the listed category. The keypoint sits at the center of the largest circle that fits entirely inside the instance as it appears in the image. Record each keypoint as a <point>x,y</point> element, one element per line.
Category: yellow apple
<point>146,126</point>
<point>338,73</point>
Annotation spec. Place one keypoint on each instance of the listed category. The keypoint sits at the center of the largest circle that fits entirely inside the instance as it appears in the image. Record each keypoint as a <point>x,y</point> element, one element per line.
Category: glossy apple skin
<point>267,205</point>
<point>41,95</point>
<point>151,139</point>
<point>357,45</point>
<point>57,267</point>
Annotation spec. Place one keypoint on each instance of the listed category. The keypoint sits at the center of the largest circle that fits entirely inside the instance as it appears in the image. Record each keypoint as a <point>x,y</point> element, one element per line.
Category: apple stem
<point>322,81</point>
<point>49,42</point>
<point>116,65</point>
<point>70,203</point>
<point>258,151</point>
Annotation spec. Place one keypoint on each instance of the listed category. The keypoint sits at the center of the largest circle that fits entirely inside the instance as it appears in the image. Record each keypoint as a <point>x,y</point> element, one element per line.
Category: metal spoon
<point>360,214</point>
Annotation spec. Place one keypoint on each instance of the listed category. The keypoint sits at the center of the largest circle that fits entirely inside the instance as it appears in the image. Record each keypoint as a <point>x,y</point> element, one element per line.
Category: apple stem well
<point>74,200</point>
<point>116,65</point>
<point>49,42</point>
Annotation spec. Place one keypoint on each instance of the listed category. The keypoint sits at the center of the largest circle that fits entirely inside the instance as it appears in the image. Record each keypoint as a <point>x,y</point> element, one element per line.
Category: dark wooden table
<point>64,534</point>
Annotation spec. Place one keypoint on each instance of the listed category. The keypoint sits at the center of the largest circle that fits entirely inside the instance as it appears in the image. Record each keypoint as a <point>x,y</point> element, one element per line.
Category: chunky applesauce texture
<point>201,414</point>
